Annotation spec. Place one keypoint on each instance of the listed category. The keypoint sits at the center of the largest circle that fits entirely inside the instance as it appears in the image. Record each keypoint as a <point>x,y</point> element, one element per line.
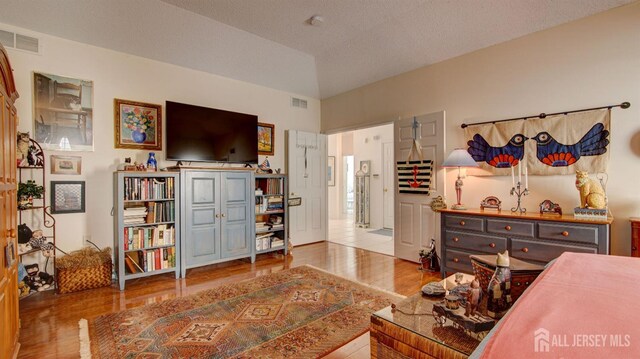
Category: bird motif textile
<point>553,145</point>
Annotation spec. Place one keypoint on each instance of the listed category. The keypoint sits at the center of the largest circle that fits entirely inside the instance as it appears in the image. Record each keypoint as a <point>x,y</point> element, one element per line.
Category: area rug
<point>383,231</point>
<point>302,312</point>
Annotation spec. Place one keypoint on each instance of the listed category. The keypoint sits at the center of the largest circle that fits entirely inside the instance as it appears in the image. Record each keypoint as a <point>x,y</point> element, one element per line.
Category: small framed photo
<point>66,165</point>
<point>9,254</point>
<point>266,138</point>
<point>138,125</point>
<point>331,171</point>
<point>67,197</point>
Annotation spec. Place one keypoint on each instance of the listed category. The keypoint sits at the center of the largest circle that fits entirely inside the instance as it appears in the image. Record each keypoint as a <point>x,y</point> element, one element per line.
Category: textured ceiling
<point>269,42</point>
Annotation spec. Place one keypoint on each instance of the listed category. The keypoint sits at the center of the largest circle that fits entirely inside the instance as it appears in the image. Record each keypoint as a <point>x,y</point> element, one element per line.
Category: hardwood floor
<point>50,321</point>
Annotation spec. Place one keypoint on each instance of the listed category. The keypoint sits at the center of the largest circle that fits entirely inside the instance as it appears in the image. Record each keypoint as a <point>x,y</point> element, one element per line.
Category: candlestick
<point>520,172</point>
<point>526,177</point>
<point>513,177</point>
<point>519,192</point>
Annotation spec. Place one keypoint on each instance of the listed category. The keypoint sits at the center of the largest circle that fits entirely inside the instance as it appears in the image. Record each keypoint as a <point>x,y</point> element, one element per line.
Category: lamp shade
<point>459,158</point>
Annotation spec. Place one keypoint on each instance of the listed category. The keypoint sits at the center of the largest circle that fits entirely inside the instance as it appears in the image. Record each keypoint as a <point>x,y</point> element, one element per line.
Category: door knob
<point>12,233</point>
<point>223,215</point>
<point>385,190</point>
<point>293,194</point>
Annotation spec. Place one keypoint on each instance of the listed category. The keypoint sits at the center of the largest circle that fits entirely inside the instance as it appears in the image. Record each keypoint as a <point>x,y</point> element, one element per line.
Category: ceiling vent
<point>20,42</point>
<point>298,102</point>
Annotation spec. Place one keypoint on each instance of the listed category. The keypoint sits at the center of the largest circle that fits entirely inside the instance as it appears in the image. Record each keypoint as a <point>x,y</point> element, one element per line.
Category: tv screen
<point>196,133</point>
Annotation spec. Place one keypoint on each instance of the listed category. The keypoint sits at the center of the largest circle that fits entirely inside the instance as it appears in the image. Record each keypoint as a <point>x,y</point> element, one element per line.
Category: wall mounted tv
<point>196,133</point>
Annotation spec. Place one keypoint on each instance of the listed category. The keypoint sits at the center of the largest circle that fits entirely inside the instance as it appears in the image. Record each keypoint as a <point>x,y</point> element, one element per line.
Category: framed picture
<point>266,138</point>
<point>67,197</point>
<point>63,112</point>
<point>66,165</point>
<point>9,254</point>
<point>331,168</point>
<point>138,125</point>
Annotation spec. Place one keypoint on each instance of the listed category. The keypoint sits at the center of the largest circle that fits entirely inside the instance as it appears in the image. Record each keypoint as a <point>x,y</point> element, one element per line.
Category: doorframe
<point>391,186</point>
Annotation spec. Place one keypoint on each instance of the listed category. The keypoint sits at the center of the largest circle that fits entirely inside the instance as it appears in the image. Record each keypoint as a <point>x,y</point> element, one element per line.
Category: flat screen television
<point>196,133</point>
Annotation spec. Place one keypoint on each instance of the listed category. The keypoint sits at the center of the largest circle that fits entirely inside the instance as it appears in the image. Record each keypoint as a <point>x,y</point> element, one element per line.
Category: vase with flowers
<point>139,121</point>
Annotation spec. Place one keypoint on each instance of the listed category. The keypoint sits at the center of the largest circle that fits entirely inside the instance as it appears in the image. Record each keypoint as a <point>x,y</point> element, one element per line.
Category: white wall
<point>591,62</point>
<point>118,75</point>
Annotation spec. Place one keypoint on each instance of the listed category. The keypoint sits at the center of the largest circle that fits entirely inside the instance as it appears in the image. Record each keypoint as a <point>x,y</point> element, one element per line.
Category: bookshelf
<point>146,225</point>
<point>271,213</point>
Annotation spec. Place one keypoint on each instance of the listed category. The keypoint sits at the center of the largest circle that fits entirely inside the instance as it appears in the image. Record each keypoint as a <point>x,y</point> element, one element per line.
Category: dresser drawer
<point>475,242</point>
<point>458,261</point>
<point>543,252</point>
<point>511,228</point>
<point>567,232</point>
<point>461,222</point>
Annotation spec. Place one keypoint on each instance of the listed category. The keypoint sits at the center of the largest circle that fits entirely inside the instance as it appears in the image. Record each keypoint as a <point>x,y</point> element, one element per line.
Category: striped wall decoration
<point>414,177</point>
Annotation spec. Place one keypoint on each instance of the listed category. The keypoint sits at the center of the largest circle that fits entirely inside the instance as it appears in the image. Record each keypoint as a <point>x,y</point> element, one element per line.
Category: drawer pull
<point>456,260</point>
<point>634,248</point>
<point>565,234</point>
<point>508,228</point>
<point>492,245</point>
<point>462,223</point>
<point>455,239</point>
<point>517,284</point>
<point>525,249</point>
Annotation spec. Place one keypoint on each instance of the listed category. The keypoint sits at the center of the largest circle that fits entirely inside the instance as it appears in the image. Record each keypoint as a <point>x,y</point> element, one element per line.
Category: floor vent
<point>21,42</point>
<point>298,102</point>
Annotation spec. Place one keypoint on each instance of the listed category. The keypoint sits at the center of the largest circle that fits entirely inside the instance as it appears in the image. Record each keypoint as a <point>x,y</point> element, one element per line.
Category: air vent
<point>298,102</point>
<point>20,42</point>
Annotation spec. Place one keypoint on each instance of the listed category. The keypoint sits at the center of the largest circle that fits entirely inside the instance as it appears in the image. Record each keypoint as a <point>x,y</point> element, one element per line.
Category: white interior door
<point>387,185</point>
<point>307,169</point>
<point>415,222</point>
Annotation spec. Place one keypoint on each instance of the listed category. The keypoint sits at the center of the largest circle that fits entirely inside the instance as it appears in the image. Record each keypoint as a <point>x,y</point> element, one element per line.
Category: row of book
<point>148,188</point>
<point>139,238</point>
<point>268,241</point>
<point>274,223</point>
<point>150,260</point>
<point>269,203</point>
<point>153,212</point>
<point>269,186</point>
<point>134,215</point>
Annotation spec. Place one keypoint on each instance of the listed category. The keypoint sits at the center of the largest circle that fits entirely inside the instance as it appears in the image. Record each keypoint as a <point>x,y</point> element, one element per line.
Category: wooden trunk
<point>8,213</point>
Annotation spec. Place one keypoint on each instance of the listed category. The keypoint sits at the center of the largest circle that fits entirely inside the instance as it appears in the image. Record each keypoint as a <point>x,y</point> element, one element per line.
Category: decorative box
<point>522,273</point>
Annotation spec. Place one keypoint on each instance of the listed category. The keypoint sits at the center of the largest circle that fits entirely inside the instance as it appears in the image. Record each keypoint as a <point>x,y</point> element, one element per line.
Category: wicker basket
<point>84,269</point>
<point>522,273</point>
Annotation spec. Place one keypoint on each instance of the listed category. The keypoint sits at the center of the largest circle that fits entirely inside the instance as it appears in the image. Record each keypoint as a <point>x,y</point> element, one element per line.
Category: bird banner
<point>554,145</point>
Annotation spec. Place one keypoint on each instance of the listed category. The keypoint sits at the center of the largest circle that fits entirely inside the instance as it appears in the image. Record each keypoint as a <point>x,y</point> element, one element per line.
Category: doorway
<point>369,150</point>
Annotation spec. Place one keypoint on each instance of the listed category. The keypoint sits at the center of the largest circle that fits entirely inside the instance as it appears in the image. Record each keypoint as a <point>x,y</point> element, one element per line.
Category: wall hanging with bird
<point>559,144</point>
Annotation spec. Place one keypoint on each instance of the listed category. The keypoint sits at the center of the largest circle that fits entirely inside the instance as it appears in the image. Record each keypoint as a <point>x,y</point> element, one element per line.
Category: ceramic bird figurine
<point>500,157</point>
<point>555,154</point>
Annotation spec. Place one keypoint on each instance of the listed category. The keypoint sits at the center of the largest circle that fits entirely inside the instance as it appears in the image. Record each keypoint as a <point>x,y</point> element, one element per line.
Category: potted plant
<point>27,192</point>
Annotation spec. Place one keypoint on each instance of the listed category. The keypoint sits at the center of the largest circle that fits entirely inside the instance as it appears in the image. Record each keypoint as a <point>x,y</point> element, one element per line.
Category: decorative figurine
<point>591,192</point>
<point>429,258</point>
<point>491,202</point>
<point>473,298</point>
<point>452,301</point>
<point>548,206</point>
<point>499,290</point>
<point>437,204</point>
<point>433,289</point>
<point>152,164</point>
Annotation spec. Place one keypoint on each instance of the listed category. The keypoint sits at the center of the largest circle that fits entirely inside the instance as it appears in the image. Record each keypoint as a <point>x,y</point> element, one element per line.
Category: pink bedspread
<point>583,306</point>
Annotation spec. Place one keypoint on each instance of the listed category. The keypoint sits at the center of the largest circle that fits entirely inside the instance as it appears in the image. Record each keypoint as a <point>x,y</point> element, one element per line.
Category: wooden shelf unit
<point>138,243</point>
<point>271,190</point>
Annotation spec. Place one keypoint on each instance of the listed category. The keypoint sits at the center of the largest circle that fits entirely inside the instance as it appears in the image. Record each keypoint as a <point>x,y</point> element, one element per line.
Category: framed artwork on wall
<point>331,168</point>
<point>266,138</point>
<point>67,197</point>
<point>63,112</point>
<point>138,125</point>
<point>66,165</point>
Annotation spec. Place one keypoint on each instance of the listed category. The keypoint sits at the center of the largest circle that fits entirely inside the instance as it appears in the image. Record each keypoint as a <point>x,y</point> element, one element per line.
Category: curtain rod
<point>623,105</point>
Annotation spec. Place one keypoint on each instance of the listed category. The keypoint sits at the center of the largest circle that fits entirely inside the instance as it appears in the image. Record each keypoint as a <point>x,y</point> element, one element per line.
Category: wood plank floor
<point>50,321</point>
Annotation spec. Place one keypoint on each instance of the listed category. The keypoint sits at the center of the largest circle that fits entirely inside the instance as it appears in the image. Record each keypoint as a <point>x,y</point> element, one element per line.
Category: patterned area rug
<point>302,312</point>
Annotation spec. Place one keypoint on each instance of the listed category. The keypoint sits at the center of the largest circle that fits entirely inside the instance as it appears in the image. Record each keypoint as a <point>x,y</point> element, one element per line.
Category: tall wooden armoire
<point>10,327</point>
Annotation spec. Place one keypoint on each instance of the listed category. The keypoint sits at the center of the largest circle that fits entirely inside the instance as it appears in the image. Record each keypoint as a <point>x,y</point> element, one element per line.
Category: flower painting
<point>266,138</point>
<point>138,125</point>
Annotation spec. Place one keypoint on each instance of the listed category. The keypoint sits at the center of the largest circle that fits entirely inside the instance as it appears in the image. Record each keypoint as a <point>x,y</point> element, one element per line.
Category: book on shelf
<point>144,237</point>
<point>132,265</point>
<point>145,188</point>
<point>155,259</point>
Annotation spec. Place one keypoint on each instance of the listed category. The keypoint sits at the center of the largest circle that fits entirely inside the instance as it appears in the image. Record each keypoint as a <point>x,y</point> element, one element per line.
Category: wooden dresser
<point>531,237</point>
<point>8,213</point>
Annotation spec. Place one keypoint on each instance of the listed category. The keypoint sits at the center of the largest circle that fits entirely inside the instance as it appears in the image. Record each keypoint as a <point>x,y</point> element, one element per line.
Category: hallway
<point>343,231</point>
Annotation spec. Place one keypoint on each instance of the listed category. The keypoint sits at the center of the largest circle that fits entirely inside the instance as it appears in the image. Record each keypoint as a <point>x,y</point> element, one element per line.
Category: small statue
<point>499,290</point>
<point>473,298</point>
<point>23,148</point>
<point>591,193</point>
<point>429,258</point>
<point>438,203</point>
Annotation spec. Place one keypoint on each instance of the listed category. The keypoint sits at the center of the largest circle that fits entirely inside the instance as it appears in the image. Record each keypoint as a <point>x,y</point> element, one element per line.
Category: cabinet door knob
<point>456,260</point>
<point>507,227</point>
<point>525,249</point>
<point>12,233</point>
<point>223,215</point>
<point>492,245</point>
<point>565,233</point>
<point>462,223</point>
<point>455,239</point>
<point>217,215</point>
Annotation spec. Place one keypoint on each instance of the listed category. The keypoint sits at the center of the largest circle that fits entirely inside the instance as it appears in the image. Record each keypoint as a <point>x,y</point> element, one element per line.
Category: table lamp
<point>459,158</point>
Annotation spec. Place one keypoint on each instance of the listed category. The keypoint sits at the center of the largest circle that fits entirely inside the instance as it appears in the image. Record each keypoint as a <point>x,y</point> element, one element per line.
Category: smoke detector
<point>316,20</point>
